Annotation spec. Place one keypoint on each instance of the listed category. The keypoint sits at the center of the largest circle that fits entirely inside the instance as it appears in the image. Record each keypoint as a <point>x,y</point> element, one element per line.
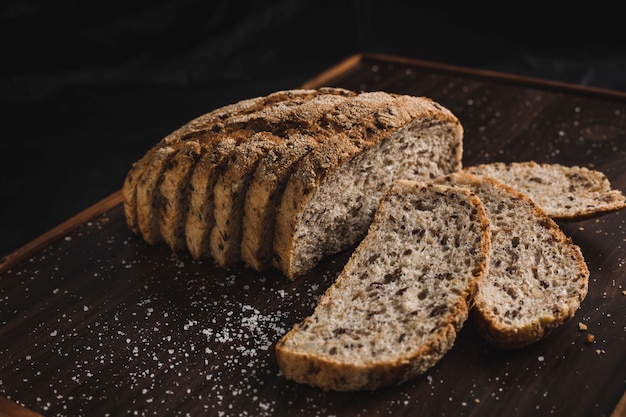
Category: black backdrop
<point>87,87</point>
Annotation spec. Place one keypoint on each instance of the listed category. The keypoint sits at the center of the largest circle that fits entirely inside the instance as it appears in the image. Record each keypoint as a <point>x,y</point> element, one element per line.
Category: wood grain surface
<point>93,321</point>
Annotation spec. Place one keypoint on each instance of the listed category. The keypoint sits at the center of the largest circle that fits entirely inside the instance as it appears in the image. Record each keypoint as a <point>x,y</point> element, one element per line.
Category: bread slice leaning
<point>537,276</point>
<point>397,305</point>
<point>563,192</point>
<point>330,199</point>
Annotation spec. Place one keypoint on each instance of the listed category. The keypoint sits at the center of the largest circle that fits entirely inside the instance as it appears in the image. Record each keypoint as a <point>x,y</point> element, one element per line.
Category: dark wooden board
<point>95,322</point>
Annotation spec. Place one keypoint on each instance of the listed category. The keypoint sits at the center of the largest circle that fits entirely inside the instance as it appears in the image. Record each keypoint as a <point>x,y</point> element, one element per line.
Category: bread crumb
<point>590,338</point>
<point>623,292</point>
<point>582,326</point>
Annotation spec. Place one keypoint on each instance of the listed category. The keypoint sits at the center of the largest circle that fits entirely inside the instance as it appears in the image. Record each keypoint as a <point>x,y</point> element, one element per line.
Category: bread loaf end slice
<point>563,192</point>
<point>537,276</point>
<point>397,305</point>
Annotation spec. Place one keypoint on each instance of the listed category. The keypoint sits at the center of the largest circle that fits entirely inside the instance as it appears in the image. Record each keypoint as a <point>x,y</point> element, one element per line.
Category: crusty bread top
<point>537,277</point>
<point>563,192</point>
<point>398,303</point>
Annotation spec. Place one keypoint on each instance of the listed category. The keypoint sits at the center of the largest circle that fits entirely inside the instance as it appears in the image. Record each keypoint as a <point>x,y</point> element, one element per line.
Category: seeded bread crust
<point>264,193</point>
<point>537,277</point>
<point>393,313</point>
<point>329,201</point>
<point>229,197</point>
<point>146,175</point>
<point>148,196</point>
<point>563,192</point>
<point>175,193</point>
<point>190,130</point>
<point>206,124</point>
<point>200,218</point>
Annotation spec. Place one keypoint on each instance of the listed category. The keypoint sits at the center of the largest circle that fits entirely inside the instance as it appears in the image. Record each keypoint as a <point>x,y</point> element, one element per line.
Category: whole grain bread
<point>147,196</point>
<point>200,218</point>
<point>400,300</point>
<point>229,197</point>
<point>147,175</point>
<point>330,198</point>
<point>537,276</point>
<point>190,130</point>
<point>563,192</point>
<point>175,195</point>
<point>322,199</point>
<point>264,192</point>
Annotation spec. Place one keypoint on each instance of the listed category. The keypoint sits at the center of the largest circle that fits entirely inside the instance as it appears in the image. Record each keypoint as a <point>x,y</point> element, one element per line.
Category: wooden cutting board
<point>93,321</point>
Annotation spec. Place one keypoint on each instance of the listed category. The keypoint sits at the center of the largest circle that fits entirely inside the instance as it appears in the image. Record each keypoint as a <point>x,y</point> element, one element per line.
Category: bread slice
<point>148,195</point>
<point>400,300</point>
<point>229,197</point>
<point>264,193</point>
<point>537,277</point>
<point>200,218</point>
<point>175,194</point>
<point>330,199</point>
<point>563,192</point>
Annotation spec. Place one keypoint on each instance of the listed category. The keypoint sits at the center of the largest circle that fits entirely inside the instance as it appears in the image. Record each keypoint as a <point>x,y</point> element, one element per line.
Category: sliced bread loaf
<point>330,199</point>
<point>400,300</point>
<point>563,192</point>
<point>207,122</point>
<point>537,277</point>
<point>147,175</point>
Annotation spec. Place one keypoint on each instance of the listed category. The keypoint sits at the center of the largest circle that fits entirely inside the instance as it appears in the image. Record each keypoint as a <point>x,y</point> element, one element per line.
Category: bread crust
<point>174,190</point>
<point>200,218</point>
<point>229,197</point>
<point>372,328</point>
<point>264,193</point>
<point>148,195</point>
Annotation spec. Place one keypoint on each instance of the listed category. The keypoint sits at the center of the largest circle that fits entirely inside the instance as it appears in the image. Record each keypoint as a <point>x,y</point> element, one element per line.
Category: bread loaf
<point>537,277</point>
<point>563,192</point>
<point>333,154</point>
<point>393,313</point>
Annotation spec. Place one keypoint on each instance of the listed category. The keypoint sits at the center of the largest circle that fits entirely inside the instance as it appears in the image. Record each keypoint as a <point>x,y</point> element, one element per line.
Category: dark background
<point>87,87</point>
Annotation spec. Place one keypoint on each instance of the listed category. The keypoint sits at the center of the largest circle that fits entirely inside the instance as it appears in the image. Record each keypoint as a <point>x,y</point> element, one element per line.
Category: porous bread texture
<point>398,303</point>
<point>328,209</point>
<point>537,277</point>
<point>563,192</point>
